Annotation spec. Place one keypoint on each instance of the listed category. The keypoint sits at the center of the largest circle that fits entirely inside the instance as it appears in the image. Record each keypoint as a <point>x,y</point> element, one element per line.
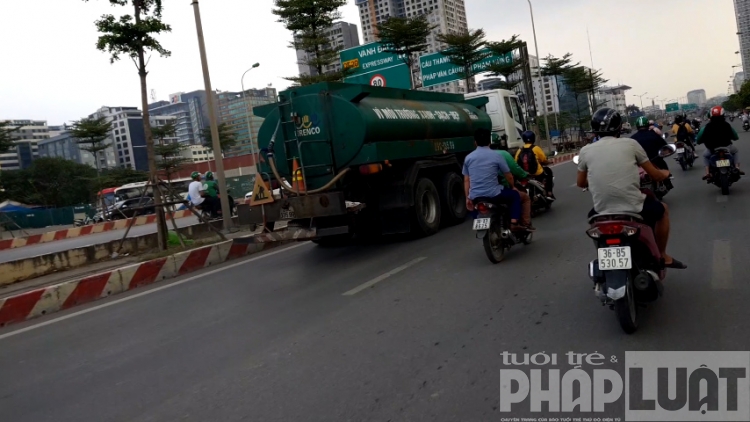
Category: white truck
<point>506,114</point>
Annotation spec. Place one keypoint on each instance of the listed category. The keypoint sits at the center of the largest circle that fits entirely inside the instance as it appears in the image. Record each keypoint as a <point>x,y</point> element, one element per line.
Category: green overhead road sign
<point>672,107</point>
<point>390,77</point>
<point>688,107</point>
<point>437,69</point>
<point>370,65</point>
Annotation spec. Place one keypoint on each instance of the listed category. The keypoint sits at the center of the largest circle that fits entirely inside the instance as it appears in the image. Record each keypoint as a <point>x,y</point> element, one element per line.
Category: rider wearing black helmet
<point>650,141</point>
<point>533,160</point>
<point>609,168</point>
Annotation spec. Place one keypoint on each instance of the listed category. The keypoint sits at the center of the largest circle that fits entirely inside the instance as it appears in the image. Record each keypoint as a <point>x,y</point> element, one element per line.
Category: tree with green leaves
<point>309,21</point>
<point>91,135</point>
<point>133,36</point>
<point>555,67</point>
<point>464,50</point>
<point>171,158</point>
<point>508,70</point>
<point>52,182</point>
<point>226,138</point>
<point>594,83</point>
<point>577,81</point>
<point>6,140</point>
<point>405,37</point>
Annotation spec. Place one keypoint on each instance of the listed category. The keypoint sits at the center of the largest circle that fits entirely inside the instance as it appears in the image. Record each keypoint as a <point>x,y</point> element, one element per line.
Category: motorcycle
<point>746,125</point>
<point>660,189</point>
<point>207,215</point>
<point>629,270</point>
<point>685,155</point>
<point>722,171</point>
<point>538,194</point>
<point>492,225</point>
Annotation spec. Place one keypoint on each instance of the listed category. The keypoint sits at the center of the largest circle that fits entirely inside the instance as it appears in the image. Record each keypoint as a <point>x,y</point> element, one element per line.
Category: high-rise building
<point>190,112</point>
<point>234,111</point>
<point>126,136</point>
<point>65,146</point>
<point>739,79</point>
<point>448,16</point>
<point>26,137</point>
<point>697,96</point>
<point>342,35</point>
<point>742,13</point>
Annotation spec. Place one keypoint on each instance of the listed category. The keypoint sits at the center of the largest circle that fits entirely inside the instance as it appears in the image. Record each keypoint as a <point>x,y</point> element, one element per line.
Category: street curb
<point>52,236</point>
<point>562,158</point>
<point>58,297</point>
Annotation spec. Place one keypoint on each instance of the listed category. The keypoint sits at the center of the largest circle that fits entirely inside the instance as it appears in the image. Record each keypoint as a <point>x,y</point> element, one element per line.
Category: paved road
<point>92,239</point>
<point>278,339</point>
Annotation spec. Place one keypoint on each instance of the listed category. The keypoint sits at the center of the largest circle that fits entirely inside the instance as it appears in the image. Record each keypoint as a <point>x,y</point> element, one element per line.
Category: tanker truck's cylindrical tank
<point>335,122</point>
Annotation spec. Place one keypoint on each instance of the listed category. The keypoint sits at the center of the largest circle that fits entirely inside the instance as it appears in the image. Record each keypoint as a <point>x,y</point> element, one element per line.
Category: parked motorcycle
<point>629,269</point>
<point>685,155</point>
<point>722,171</point>
<point>492,225</point>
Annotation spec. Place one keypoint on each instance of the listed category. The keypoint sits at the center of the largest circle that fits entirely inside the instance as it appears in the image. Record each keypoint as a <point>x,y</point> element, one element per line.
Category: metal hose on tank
<point>275,171</point>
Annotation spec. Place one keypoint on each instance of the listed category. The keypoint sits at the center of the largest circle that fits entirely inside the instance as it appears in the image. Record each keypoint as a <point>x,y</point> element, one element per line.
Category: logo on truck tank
<point>307,125</point>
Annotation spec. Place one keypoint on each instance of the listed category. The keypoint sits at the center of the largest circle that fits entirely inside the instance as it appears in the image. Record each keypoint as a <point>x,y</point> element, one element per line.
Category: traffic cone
<point>298,181</point>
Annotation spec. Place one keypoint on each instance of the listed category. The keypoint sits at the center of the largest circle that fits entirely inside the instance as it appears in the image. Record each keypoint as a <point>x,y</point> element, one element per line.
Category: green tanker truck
<point>361,160</point>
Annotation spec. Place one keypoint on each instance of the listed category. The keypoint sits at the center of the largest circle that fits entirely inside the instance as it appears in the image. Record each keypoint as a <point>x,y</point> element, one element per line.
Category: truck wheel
<point>426,207</point>
<point>453,198</point>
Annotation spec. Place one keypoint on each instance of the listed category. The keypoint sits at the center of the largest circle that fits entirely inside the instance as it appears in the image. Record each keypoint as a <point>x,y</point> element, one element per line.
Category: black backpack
<point>682,132</point>
<point>527,160</point>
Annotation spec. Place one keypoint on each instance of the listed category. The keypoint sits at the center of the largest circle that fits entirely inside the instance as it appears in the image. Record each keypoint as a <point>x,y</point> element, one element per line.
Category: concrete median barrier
<point>52,236</point>
<point>37,266</point>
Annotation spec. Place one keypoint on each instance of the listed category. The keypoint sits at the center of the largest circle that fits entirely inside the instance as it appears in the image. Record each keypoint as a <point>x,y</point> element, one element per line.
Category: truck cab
<point>506,114</point>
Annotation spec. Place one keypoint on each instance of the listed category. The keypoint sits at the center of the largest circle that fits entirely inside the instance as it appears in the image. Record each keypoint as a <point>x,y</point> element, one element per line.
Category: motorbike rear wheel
<point>724,184</point>
<point>627,310</point>
<point>493,242</point>
<point>683,164</point>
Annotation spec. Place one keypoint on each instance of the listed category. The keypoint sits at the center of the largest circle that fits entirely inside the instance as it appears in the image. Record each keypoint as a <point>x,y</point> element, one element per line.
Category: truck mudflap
<point>326,204</point>
<point>293,233</point>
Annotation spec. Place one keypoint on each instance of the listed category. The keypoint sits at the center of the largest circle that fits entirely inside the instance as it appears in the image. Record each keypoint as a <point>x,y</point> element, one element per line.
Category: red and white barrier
<point>52,236</point>
<point>68,294</point>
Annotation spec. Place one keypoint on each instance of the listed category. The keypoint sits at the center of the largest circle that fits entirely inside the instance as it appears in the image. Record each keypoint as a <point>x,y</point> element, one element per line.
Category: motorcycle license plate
<point>615,258</point>
<point>482,224</point>
<point>287,214</point>
<point>722,163</point>
<point>680,150</point>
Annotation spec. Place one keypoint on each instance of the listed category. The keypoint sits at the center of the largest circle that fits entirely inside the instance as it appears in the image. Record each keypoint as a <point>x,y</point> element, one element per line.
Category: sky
<point>52,70</point>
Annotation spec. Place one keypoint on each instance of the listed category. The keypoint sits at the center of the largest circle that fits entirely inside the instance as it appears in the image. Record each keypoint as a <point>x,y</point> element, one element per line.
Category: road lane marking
<point>721,265</point>
<point>148,292</point>
<point>722,198</point>
<point>380,278</point>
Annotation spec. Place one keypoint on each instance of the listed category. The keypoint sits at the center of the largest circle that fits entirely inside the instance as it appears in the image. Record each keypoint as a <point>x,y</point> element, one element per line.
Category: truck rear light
<point>366,169</point>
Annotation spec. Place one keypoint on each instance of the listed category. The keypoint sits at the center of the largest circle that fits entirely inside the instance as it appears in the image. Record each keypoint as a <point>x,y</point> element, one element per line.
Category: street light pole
<point>218,157</point>
<point>247,114</point>
<point>539,77</point>
<point>641,97</point>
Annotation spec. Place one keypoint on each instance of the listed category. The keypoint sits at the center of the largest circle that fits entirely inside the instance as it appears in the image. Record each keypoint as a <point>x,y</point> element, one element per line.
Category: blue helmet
<point>529,137</point>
